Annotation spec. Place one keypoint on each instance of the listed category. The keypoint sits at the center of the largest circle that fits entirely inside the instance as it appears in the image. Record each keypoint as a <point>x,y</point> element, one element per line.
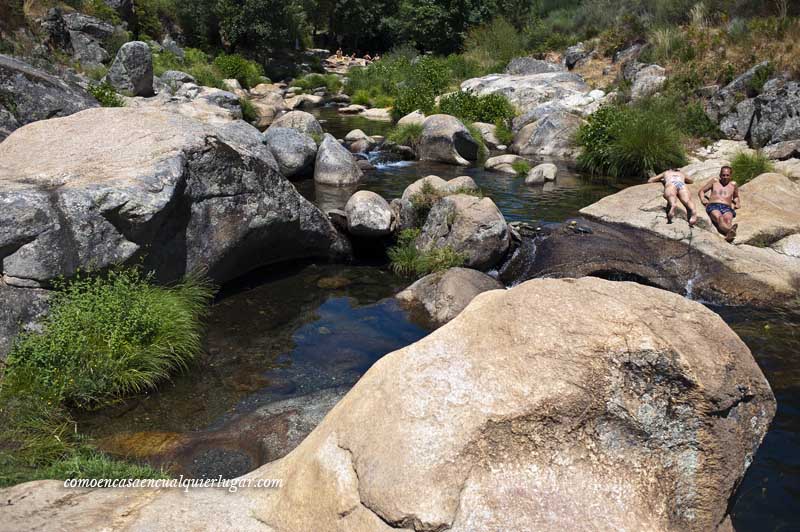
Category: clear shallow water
<point>288,331</point>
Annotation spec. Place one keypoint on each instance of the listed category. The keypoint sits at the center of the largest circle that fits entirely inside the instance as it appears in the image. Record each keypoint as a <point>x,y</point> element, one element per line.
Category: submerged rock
<point>445,139</point>
<point>335,165</point>
<point>470,226</point>
<point>541,173</point>
<point>525,411</point>
<point>439,297</point>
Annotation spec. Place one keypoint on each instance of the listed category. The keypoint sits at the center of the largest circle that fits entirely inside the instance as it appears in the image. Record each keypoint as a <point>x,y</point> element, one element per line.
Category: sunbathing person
<point>675,189</point>
<point>722,204</point>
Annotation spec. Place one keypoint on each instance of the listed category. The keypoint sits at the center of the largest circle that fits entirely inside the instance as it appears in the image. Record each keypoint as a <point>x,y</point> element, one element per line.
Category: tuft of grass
<point>406,135</point>
<point>249,113</point>
<point>106,336</point>
<point>361,97</point>
<point>521,168</point>
<point>503,132</point>
<point>475,133</point>
<point>748,166</point>
<point>408,261</point>
<point>106,95</point>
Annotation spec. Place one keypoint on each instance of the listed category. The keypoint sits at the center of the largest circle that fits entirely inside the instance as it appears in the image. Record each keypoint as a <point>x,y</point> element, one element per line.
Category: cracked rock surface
<point>525,412</point>
<point>115,185</point>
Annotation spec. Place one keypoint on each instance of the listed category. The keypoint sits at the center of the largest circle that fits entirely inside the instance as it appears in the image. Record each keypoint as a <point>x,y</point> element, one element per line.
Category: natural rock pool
<point>311,330</point>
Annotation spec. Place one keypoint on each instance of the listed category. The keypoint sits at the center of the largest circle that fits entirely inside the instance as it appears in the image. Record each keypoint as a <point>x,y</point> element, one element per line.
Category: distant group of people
<point>720,197</point>
<point>368,58</point>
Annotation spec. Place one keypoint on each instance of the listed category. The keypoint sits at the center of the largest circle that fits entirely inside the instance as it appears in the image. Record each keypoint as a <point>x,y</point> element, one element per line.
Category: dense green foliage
<point>406,135</point>
<point>331,82</point>
<point>106,95</point>
<point>106,336</point>
<point>409,261</point>
<point>521,168</point>
<point>747,166</point>
<point>470,107</point>
<point>622,141</point>
<point>247,73</point>
<point>503,133</point>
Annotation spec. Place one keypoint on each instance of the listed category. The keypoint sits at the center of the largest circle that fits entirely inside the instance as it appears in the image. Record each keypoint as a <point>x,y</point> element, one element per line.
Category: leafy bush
<point>473,108</point>
<point>408,261</point>
<point>495,44</point>
<point>247,73</point>
<point>312,81</point>
<point>406,135</point>
<point>629,141</point>
<point>521,168</point>
<point>101,10</point>
<point>747,166</point>
<point>410,99</point>
<point>106,95</point>
<point>105,336</point>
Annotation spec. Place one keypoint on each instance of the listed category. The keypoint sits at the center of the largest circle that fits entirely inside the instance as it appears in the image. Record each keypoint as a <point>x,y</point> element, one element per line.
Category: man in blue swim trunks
<point>722,204</point>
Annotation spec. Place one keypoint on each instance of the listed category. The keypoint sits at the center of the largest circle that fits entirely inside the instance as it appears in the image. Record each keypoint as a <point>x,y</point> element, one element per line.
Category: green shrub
<point>101,10</point>
<point>503,132</point>
<point>747,166</point>
<point>313,81</point>
<point>249,113</point>
<point>494,44</point>
<point>106,95</point>
<point>760,77</point>
<point>473,108</point>
<point>521,168</point>
<point>410,99</point>
<point>361,97</point>
<point>622,141</point>
<point>382,100</point>
<point>247,73</point>
<point>406,135</point>
<point>408,261</point>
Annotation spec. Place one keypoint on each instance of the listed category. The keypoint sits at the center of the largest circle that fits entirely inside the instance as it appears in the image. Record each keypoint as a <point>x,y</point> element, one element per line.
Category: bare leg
<point>716,219</point>
<point>730,234</point>
<point>672,202</point>
<point>686,199</point>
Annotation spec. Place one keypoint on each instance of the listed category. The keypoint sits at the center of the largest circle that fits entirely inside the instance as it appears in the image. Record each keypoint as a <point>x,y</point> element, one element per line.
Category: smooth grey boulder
<point>131,73</point>
<point>117,185</point>
<point>301,121</point>
<point>335,165</point>
<point>529,91</point>
<point>368,214</point>
<point>473,227</point>
<point>294,151</point>
<point>439,297</point>
<point>525,66</point>
<point>541,173</point>
<point>28,94</point>
<point>445,139</point>
<point>725,100</point>
<point>433,182</point>
<point>87,50</point>
<point>648,80</point>
<point>553,136</point>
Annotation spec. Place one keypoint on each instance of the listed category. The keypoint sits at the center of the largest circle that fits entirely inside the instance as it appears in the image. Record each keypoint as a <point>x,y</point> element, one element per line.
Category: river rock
<point>295,152</point>
<point>111,185</point>
<point>461,183</point>
<point>412,118</point>
<point>28,94</point>
<point>301,121</point>
<point>353,109</point>
<point>471,226</point>
<point>524,412</point>
<point>445,139</point>
<point>789,168</point>
<point>747,272</point>
<point>377,113</point>
<point>304,101</point>
<point>488,133</point>
<point>724,101</point>
<point>404,216</point>
<point>541,173</point>
<point>552,136</point>
<point>783,150</point>
<point>355,135</point>
<point>131,73</point>
<point>526,66</point>
<point>439,297</point>
<point>503,163</point>
<point>432,181</point>
<point>368,214</point>
<point>268,106</point>
<point>527,92</point>
<point>335,165</point>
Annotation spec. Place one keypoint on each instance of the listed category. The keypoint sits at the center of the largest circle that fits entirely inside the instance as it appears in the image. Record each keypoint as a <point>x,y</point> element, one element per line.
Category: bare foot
<point>731,234</point>
<point>670,214</point>
<point>693,220</point>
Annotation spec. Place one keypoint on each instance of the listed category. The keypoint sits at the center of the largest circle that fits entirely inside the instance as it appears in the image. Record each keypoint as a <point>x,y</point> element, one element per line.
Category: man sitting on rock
<point>721,206</point>
<point>675,188</point>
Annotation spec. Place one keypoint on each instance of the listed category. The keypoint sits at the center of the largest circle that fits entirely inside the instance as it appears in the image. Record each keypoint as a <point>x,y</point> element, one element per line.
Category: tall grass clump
<point>408,261</point>
<point>330,82</point>
<point>406,135</point>
<point>747,166</point>
<point>106,336</point>
<point>620,141</point>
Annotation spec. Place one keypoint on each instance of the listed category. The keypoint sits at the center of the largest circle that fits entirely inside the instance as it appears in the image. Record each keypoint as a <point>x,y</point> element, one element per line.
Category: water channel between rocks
<point>304,330</point>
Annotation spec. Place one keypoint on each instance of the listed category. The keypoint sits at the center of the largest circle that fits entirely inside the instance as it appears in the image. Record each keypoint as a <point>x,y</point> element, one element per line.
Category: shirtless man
<point>721,206</point>
<point>675,188</point>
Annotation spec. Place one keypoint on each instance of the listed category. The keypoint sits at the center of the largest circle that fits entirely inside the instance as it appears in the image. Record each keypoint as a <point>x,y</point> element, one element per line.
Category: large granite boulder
<point>473,227</point>
<point>368,215</point>
<point>268,106</point>
<point>526,66</point>
<point>528,91</point>
<point>28,94</point>
<point>116,185</point>
<point>552,136</point>
<point>131,73</point>
<point>775,116</point>
<point>335,165</point>
<point>439,297</point>
<point>445,139</point>
<point>301,121</point>
<point>725,100</point>
<point>525,412</point>
<point>647,80</point>
<point>294,151</point>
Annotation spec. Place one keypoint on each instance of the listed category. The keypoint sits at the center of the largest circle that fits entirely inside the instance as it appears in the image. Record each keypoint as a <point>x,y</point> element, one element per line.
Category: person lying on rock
<point>675,188</point>
<point>722,204</point>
